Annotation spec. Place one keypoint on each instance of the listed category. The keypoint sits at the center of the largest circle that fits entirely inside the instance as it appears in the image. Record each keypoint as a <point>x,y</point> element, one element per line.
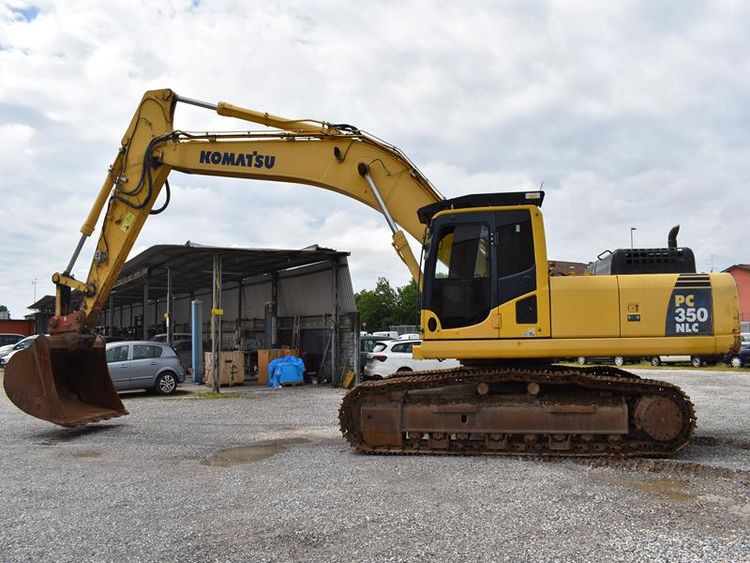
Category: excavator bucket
<point>63,379</point>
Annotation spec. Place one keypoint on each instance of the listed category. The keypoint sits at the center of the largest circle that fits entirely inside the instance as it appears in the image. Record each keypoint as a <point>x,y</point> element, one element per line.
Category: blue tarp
<point>288,369</point>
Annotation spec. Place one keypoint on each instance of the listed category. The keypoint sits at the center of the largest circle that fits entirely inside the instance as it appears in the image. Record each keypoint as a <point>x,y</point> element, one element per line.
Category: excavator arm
<point>63,378</point>
<point>338,158</point>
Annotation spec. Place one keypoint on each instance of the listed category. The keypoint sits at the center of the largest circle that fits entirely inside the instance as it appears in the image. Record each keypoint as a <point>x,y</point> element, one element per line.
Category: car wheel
<point>581,360</point>
<point>735,362</point>
<point>401,370</point>
<point>166,383</point>
<point>619,360</point>
<point>696,362</point>
<point>655,361</point>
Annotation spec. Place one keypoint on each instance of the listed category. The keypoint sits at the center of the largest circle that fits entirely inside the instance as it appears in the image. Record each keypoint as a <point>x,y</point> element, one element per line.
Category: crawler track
<point>564,411</point>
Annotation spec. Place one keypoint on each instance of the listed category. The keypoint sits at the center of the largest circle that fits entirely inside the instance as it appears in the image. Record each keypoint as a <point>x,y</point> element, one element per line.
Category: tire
<point>402,370</point>
<point>735,362</point>
<point>696,361</point>
<point>581,360</point>
<point>655,361</point>
<point>166,383</point>
<point>619,360</point>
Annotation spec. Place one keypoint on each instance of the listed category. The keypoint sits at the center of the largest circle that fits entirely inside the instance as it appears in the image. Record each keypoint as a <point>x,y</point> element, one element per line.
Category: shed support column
<point>216,313</point>
<point>197,348</point>
<point>272,326</point>
<point>335,325</point>
<point>170,327</point>
<point>144,334</point>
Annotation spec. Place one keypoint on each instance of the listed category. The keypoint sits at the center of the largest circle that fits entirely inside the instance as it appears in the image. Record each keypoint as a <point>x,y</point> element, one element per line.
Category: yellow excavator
<point>487,298</point>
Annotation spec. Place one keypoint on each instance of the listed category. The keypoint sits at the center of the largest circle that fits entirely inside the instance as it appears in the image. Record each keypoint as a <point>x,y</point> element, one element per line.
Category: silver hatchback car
<point>144,364</point>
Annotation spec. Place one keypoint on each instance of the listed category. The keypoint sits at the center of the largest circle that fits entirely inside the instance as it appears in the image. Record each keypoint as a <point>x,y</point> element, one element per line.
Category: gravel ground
<point>266,476</point>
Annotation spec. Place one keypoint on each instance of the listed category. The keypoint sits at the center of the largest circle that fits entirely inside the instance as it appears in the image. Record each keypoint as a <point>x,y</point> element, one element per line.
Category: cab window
<point>461,292</point>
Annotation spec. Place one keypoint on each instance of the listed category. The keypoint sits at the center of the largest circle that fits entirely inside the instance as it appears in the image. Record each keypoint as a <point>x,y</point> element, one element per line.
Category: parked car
<point>616,360</point>
<point>20,345</point>
<point>162,337</point>
<point>366,345</point>
<point>144,364</point>
<point>390,357</point>
<point>695,361</point>
<point>410,336</point>
<point>182,342</point>
<point>9,339</point>
<point>740,358</point>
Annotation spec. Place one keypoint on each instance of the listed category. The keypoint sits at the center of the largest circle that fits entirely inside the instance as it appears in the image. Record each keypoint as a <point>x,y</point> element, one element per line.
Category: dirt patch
<point>87,454</point>
<point>675,468</point>
<point>674,490</point>
<point>715,441</point>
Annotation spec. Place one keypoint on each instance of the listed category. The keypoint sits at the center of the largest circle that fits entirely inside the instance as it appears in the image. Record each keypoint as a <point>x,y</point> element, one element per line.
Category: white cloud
<point>633,114</point>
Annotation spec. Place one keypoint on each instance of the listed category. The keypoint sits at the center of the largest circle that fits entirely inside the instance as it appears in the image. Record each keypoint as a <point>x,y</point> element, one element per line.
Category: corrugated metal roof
<point>192,267</point>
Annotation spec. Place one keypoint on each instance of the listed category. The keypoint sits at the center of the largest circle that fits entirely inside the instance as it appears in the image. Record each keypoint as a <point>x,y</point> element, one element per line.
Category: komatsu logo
<point>247,160</point>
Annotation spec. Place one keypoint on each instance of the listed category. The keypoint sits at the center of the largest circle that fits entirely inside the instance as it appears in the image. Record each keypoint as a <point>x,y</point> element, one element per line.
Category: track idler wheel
<point>659,417</point>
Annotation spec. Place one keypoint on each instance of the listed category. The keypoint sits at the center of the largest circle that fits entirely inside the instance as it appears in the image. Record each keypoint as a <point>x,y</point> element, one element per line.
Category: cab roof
<point>500,199</point>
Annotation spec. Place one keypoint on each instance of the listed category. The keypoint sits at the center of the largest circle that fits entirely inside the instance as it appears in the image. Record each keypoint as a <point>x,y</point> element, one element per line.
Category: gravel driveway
<point>266,476</point>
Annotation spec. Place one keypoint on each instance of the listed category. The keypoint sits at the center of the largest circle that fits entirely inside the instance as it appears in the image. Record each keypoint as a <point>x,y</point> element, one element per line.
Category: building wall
<point>18,326</point>
<point>742,278</point>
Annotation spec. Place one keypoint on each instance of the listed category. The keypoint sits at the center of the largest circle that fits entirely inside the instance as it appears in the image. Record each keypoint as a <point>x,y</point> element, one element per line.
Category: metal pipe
<point>198,103</point>
<point>364,171</point>
<point>672,237</point>
<point>75,255</point>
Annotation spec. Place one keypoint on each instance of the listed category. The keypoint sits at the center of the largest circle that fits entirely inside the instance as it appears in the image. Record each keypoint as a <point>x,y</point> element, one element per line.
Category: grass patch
<point>720,366</point>
<point>212,395</point>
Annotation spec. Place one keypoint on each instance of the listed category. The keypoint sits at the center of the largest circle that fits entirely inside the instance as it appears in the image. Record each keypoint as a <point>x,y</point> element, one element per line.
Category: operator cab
<point>481,255</point>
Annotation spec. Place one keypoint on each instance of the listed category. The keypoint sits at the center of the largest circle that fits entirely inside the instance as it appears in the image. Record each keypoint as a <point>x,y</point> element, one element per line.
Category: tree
<point>408,304</point>
<point>384,306</point>
<point>377,307</point>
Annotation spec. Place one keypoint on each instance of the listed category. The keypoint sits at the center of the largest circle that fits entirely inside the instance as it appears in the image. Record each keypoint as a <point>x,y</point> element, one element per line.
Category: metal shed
<point>270,298</point>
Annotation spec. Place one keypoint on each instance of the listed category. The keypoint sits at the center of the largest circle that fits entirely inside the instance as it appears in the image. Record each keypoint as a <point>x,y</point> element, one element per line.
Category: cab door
<point>486,276</point>
<point>458,293</point>
<point>521,275</point>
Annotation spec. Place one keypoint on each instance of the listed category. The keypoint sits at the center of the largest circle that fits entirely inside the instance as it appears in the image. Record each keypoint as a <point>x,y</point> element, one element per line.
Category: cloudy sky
<point>633,114</point>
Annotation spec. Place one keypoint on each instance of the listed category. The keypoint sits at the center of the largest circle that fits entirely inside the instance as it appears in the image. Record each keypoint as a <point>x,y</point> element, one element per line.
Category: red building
<point>18,326</point>
<point>741,275</point>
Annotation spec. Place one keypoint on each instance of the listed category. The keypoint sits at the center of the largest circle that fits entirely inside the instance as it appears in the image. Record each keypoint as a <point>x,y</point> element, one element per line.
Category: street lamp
<point>631,237</point>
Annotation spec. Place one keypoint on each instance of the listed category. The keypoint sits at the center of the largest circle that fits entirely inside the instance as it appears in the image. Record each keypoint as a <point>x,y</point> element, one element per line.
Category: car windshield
<point>379,347</point>
<point>25,343</point>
